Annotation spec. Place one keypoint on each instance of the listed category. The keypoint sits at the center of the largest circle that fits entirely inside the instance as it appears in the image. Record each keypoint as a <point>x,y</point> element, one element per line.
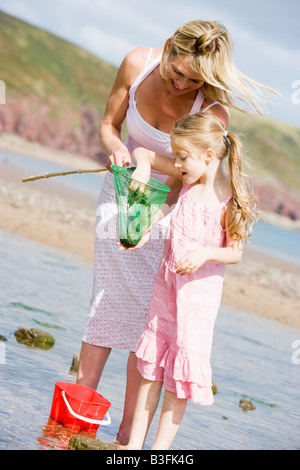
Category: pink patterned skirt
<point>123,280</point>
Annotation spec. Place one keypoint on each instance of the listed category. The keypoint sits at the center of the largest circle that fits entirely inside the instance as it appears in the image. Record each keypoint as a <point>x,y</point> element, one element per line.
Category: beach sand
<point>49,213</point>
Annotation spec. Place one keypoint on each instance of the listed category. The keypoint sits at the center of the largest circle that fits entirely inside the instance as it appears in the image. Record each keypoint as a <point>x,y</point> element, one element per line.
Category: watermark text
<point>2,92</point>
<point>2,353</point>
<point>296,353</point>
<point>296,93</point>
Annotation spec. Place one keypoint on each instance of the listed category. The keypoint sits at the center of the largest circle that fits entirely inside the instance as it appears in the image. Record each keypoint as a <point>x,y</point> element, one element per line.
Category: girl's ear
<point>209,156</point>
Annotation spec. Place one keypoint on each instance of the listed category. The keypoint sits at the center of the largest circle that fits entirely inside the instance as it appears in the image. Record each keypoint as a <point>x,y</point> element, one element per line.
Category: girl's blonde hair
<point>204,131</point>
<point>209,46</point>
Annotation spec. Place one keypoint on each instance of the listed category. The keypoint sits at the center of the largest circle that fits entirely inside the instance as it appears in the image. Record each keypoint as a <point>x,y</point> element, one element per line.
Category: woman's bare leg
<point>147,401</point>
<point>91,364</point>
<point>172,412</point>
<point>132,388</point>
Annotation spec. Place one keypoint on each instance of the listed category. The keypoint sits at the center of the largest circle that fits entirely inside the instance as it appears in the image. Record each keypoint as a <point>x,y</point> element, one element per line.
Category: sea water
<point>48,289</point>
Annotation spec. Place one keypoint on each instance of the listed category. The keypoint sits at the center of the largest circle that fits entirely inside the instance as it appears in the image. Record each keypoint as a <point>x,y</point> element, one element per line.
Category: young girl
<point>212,217</point>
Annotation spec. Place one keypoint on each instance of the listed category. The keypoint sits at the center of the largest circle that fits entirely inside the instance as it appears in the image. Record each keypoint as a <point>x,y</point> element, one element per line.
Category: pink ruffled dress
<point>175,347</point>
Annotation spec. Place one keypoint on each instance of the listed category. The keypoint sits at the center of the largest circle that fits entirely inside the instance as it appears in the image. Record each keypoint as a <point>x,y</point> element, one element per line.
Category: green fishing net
<point>136,207</point>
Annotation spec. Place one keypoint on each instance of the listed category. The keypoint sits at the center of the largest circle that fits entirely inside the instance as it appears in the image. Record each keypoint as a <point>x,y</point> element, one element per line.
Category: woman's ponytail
<point>207,42</point>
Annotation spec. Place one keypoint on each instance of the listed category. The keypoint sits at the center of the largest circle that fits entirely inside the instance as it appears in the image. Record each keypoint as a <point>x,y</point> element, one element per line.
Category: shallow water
<point>48,289</point>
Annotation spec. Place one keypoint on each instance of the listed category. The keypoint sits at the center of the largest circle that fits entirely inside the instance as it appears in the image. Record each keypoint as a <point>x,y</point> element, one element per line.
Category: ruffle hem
<point>191,374</point>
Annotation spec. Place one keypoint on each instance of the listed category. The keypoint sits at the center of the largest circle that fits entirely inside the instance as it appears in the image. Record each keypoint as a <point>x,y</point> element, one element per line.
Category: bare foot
<point>121,440</point>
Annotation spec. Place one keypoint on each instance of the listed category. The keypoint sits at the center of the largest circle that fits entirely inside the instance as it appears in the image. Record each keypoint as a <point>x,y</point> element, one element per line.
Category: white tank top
<point>142,134</point>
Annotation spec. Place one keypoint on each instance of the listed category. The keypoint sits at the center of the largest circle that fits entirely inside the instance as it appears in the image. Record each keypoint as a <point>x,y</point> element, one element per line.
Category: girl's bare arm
<point>230,254</point>
<point>145,160</point>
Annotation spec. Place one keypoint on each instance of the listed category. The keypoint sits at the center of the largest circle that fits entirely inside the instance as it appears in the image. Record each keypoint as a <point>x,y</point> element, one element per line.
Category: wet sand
<point>49,213</point>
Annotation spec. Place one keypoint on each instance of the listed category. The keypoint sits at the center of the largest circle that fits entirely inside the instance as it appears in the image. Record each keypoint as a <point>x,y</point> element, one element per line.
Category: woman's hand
<point>120,158</point>
<point>192,261</point>
<point>144,240</point>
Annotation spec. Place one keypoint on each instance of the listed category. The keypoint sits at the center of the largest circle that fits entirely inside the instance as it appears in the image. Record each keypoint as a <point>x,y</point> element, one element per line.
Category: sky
<point>265,34</point>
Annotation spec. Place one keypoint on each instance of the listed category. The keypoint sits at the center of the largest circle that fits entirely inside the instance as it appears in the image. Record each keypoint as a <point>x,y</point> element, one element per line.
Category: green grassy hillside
<point>35,61</point>
<point>272,146</point>
<point>68,79</point>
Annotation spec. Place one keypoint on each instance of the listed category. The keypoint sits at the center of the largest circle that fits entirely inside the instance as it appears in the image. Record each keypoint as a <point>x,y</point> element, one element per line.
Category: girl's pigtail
<point>243,213</point>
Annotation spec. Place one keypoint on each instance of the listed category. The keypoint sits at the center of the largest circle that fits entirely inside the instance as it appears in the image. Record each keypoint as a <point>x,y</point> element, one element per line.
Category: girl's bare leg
<point>91,364</point>
<point>172,412</point>
<point>147,401</point>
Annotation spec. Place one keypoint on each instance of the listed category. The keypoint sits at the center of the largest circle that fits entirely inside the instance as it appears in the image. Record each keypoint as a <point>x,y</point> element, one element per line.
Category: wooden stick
<point>63,173</point>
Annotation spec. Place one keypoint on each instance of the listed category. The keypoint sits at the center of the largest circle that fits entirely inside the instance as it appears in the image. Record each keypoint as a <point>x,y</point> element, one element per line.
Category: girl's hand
<point>140,244</point>
<point>192,261</point>
<point>142,175</point>
<point>120,158</point>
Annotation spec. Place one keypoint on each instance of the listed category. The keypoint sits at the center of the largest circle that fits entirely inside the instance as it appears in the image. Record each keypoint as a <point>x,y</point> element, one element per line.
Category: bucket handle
<point>83,418</point>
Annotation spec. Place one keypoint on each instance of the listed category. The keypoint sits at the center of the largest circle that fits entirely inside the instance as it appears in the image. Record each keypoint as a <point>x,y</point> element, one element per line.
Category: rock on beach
<point>34,337</point>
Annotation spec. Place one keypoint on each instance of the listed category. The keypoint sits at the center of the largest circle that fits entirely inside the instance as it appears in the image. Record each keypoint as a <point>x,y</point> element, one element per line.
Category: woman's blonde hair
<point>209,46</point>
<point>204,131</point>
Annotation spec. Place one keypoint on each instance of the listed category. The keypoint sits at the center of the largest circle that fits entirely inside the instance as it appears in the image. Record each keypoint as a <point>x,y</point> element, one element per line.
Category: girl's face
<point>191,162</point>
<point>180,78</point>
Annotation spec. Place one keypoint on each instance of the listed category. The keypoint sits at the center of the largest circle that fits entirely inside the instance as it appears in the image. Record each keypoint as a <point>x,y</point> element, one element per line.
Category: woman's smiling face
<point>180,78</point>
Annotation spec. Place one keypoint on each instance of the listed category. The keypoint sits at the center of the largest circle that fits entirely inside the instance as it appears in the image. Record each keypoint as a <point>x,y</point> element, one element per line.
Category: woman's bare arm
<point>116,108</point>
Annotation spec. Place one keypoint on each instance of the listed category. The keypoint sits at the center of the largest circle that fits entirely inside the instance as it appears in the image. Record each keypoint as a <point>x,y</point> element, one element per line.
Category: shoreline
<point>73,161</point>
<point>63,218</point>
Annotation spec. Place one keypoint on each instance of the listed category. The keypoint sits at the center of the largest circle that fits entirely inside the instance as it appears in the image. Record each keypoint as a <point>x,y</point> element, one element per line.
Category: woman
<point>153,89</point>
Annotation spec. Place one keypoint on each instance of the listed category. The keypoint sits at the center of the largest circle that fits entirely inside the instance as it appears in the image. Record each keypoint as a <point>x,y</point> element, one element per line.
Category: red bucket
<point>79,407</point>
